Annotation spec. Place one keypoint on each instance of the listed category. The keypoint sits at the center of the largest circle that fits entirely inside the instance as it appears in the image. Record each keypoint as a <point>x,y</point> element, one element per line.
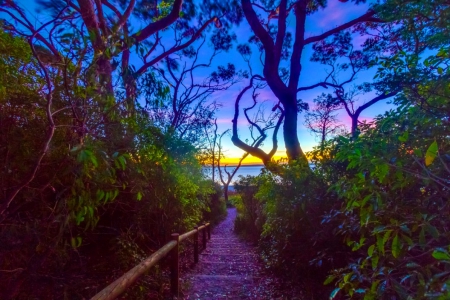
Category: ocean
<point>243,170</point>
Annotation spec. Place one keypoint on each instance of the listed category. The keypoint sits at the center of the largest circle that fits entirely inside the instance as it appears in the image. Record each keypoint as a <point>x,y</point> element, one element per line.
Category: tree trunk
<point>292,144</point>
<point>225,192</point>
<point>355,126</point>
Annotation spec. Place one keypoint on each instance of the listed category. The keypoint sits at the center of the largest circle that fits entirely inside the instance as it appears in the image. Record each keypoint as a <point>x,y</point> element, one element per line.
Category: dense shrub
<point>250,219</point>
<point>100,201</point>
<point>395,217</point>
<point>216,206</point>
<point>372,212</point>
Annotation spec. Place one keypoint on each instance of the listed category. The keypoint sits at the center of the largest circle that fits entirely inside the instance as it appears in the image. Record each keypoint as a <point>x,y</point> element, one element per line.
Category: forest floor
<point>229,268</point>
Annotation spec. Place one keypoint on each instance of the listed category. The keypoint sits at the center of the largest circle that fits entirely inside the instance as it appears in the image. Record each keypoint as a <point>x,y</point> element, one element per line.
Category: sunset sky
<point>335,14</point>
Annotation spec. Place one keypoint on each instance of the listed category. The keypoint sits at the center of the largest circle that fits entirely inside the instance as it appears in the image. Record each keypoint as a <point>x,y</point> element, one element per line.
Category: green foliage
<point>100,201</point>
<point>250,216</point>
<point>285,211</point>
<point>216,207</point>
<point>396,203</point>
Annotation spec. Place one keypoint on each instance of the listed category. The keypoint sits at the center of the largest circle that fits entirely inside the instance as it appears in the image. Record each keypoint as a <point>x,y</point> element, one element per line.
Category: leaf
<point>329,279</point>
<point>91,211</point>
<point>431,154</point>
<point>418,152</point>
<point>100,195</point>
<point>432,230</point>
<point>407,239</point>
<point>422,240</point>
<point>139,196</point>
<point>75,148</point>
<point>334,293</point>
<point>404,137</point>
<point>396,246</point>
<point>382,241</point>
<point>441,254</point>
<point>122,162</point>
<point>374,262</point>
<point>93,159</point>
<point>76,242</point>
<point>370,250</point>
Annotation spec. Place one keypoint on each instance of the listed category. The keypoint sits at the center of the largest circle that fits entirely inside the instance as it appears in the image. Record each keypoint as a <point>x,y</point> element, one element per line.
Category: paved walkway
<point>227,269</point>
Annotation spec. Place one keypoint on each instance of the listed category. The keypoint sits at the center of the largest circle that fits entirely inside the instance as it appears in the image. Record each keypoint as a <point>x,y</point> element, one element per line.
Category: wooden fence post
<point>209,231</point>
<point>196,245</point>
<point>174,267</point>
<point>204,236</point>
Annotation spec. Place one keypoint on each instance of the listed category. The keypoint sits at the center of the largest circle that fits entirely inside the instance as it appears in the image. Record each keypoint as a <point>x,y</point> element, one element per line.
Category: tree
<point>344,65</point>
<point>91,48</point>
<point>259,126</point>
<point>278,44</point>
<point>106,38</point>
<point>17,89</point>
<point>226,176</point>
<point>63,200</point>
<point>188,109</point>
<point>322,120</point>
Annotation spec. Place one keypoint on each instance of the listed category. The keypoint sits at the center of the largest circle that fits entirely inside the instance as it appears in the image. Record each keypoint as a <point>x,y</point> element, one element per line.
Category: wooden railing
<point>119,286</point>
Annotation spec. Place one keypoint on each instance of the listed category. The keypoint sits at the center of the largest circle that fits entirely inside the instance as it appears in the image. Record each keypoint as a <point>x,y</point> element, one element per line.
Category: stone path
<point>227,269</point>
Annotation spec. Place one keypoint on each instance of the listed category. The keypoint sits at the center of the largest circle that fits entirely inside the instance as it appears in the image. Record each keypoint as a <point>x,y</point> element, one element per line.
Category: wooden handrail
<point>119,286</point>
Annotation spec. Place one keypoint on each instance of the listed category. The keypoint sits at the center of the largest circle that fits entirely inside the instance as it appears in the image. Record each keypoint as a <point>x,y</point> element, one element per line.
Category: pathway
<point>227,269</point>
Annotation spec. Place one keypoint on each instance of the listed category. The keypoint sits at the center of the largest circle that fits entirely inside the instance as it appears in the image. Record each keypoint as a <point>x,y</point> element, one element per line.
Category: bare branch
<point>367,17</point>
<point>174,49</point>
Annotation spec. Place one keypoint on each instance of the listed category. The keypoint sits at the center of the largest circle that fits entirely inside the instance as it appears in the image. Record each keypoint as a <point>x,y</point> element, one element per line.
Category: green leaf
<point>441,254</point>
<point>139,196</point>
<point>122,162</point>
<point>382,241</point>
<point>432,230</point>
<point>329,279</point>
<point>100,195</point>
<point>76,242</point>
<point>396,246</point>
<point>91,211</point>
<point>404,137</point>
<point>370,250</point>
<point>407,239</point>
<point>418,152</point>
<point>375,262</point>
<point>431,153</point>
<point>422,240</point>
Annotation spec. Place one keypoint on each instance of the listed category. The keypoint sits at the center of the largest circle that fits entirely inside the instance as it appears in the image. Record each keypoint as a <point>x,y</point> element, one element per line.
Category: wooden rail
<point>119,286</point>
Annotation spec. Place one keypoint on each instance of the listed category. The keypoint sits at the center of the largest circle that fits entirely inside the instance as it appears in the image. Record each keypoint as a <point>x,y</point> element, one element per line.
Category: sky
<point>334,14</point>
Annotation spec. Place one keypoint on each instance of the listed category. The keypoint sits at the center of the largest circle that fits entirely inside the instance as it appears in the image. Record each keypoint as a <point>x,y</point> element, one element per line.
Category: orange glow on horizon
<point>250,160</point>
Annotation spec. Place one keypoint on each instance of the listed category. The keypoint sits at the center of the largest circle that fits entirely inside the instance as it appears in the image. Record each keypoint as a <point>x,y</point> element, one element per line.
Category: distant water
<point>243,170</point>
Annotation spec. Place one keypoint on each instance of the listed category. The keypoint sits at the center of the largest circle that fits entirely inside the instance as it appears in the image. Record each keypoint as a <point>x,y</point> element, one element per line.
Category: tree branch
<point>375,100</point>
<point>281,30</point>
<point>253,150</point>
<point>174,49</point>
<point>367,17</point>
<point>160,24</point>
<point>295,65</point>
